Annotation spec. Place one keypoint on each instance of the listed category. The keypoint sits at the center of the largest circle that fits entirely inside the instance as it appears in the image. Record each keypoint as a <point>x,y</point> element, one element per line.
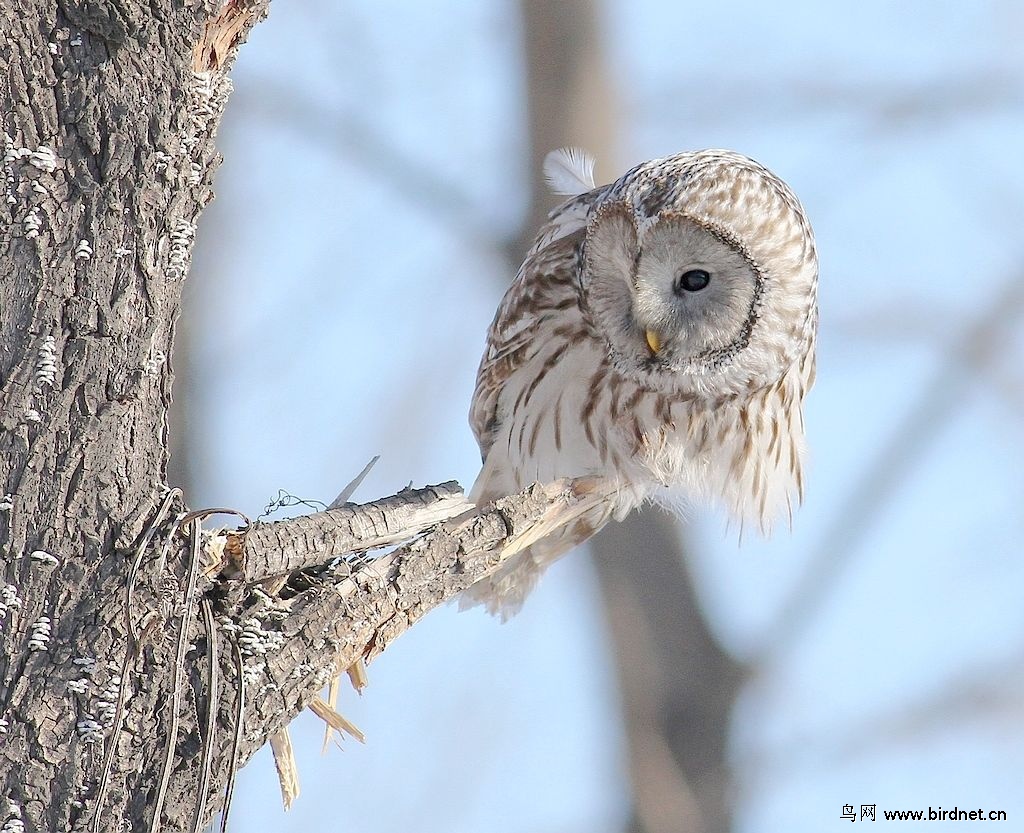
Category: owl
<point>659,337</point>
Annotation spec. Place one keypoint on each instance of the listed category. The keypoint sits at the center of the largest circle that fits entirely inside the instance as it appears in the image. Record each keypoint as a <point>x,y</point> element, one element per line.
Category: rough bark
<point>122,668</point>
<point>280,549</point>
<point>352,609</point>
<point>108,157</point>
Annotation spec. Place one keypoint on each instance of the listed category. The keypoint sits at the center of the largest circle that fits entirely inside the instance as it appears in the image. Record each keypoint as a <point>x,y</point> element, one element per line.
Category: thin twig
<point>130,654</point>
<point>178,672</point>
<point>140,551</point>
<point>236,741</point>
<point>203,514</point>
<point>350,489</point>
<point>213,697</point>
<point>161,561</point>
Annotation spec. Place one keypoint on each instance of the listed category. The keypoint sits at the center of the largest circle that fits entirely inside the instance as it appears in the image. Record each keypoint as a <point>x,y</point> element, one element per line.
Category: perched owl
<point>660,336</point>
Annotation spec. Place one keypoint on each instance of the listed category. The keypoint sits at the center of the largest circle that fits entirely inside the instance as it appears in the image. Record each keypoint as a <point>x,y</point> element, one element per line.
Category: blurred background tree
<point>872,655</point>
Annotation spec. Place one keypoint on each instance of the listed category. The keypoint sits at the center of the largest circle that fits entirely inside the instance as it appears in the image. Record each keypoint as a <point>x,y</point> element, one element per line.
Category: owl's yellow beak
<point>653,341</point>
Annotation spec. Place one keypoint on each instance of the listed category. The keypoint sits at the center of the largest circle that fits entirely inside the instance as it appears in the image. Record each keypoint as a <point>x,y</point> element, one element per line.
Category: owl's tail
<point>504,591</point>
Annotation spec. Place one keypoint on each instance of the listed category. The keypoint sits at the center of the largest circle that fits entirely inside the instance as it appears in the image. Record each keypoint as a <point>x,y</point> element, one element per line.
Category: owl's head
<point>702,266</point>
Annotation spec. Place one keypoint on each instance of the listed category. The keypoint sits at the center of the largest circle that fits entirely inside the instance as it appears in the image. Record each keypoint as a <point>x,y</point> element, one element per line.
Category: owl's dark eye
<point>693,280</point>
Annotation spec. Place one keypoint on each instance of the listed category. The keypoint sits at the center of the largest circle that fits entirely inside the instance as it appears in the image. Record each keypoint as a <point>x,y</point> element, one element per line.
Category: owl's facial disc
<point>694,292</point>
<point>680,294</point>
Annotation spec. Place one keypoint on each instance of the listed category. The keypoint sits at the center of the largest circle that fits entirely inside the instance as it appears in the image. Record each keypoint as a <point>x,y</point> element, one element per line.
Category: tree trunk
<point>108,160</point>
<point>109,111</point>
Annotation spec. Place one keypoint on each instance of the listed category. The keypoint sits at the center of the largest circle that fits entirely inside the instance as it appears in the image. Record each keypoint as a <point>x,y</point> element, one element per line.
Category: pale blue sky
<point>341,317</point>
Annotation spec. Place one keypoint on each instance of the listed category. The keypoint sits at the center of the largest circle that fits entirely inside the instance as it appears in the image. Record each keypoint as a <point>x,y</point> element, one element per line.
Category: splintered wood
<point>442,545</point>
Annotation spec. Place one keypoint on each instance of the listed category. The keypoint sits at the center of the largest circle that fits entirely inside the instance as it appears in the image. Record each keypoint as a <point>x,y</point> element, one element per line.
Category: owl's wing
<point>545,283</point>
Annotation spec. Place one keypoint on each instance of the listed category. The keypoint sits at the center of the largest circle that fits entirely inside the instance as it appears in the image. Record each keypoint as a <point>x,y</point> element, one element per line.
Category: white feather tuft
<point>569,171</point>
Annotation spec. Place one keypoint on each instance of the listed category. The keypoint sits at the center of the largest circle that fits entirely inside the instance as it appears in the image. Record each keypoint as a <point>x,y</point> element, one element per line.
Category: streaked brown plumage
<point>660,336</point>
